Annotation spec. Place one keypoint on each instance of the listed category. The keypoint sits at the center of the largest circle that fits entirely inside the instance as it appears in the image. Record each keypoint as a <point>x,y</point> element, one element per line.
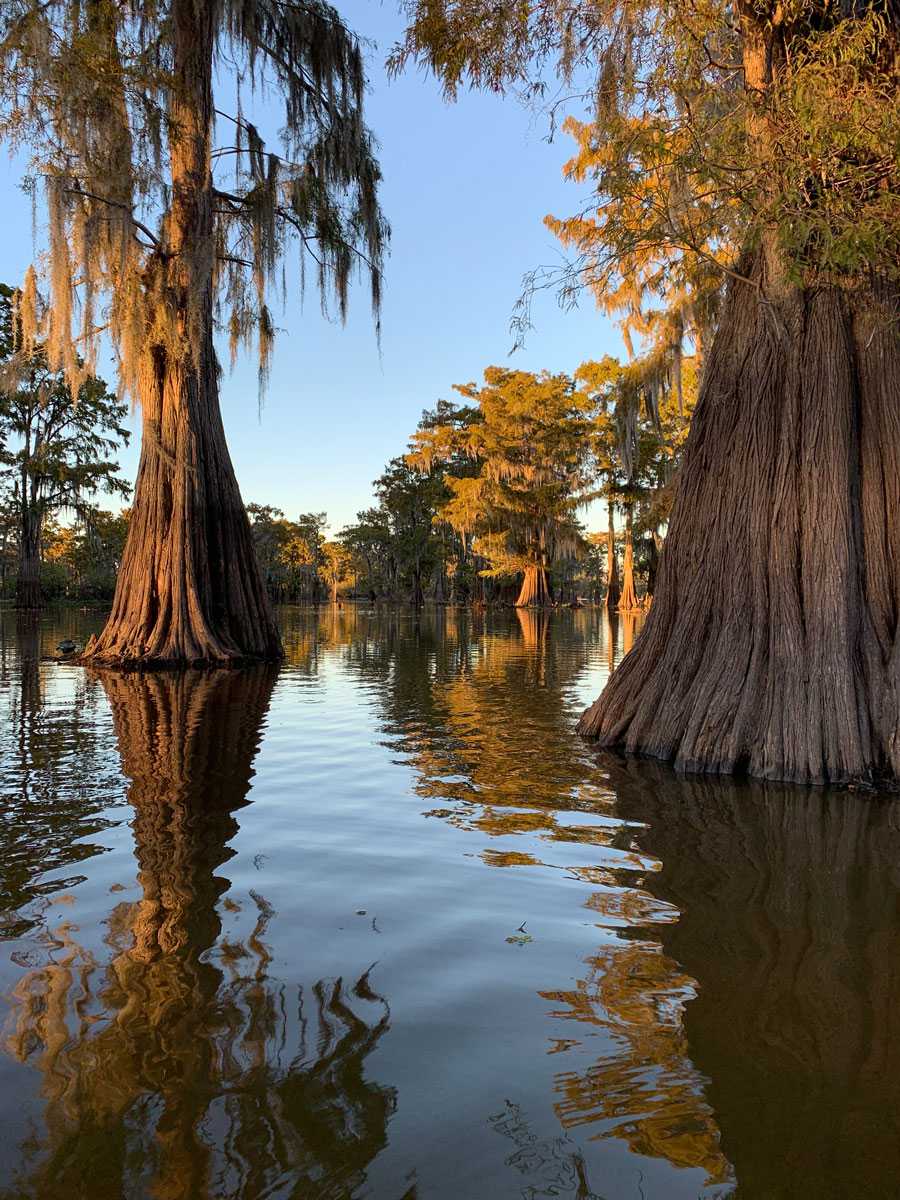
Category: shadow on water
<point>172,1065</point>
<point>790,924</point>
<point>699,994</point>
<point>51,763</point>
<point>752,995</point>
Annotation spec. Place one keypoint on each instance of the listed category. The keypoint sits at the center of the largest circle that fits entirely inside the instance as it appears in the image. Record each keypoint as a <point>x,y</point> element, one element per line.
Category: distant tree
<point>56,455</point>
<point>442,453</point>
<point>304,553</point>
<point>597,381</point>
<point>10,531</point>
<point>410,499</point>
<point>369,542</point>
<point>86,555</point>
<point>269,531</point>
<point>530,440</point>
<point>640,419</point>
<point>337,563</point>
<point>289,552</point>
<point>759,139</point>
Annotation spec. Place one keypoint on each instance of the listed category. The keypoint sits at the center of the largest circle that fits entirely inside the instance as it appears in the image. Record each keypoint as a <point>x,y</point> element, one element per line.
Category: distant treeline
<point>485,505</point>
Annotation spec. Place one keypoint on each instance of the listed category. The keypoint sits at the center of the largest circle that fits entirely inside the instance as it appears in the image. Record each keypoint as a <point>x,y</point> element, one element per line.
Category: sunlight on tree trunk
<point>189,588</point>
<point>611,600</point>
<point>628,601</point>
<point>772,643</point>
<point>535,590</point>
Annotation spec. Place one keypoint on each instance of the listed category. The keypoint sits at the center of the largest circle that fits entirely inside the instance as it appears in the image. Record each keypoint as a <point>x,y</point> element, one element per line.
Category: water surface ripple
<point>376,924</point>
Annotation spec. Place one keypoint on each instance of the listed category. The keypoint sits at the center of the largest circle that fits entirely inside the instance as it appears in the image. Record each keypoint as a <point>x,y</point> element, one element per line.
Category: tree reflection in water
<point>712,984</point>
<point>790,923</point>
<point>553,1166</point>
<point>488,728</point>
<point>51,807</point>
<point>176,1067</point>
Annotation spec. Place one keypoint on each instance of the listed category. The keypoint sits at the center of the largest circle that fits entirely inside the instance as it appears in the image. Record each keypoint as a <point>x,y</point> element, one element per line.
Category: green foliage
<point>337,565</point>
<point>56,456</point>
<point>290,553</point>
<point>526,435</point>
<point>80,561</point>
<point>640,422</point>
<point>369,542</point>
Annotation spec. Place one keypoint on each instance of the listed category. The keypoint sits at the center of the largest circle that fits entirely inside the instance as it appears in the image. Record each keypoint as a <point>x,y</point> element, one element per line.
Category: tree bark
<point>440,584</point>
<point>654,548</point>
<point>535,590</point>
<point>28,581</point>
<point>417,594</point>
<point>190,589</point>
<point>611,601</point>
<point>628,600</point>
<point>773,642</point>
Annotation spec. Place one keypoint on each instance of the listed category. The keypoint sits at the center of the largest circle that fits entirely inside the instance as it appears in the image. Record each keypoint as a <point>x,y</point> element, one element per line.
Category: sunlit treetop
<point>523,440</point>
<point>103,97</point>
<point>703,125</point>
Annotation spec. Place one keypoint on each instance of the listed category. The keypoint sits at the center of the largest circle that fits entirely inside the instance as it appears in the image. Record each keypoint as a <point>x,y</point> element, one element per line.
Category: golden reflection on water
<point>790,924</point>
<point>645,1089</point>
<point>174,1025</point>
<point>490,738</point>
<point>737,1011</point>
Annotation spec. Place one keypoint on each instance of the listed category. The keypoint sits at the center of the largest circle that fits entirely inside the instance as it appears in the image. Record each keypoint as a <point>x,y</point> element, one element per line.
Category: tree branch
<point>77,191</point>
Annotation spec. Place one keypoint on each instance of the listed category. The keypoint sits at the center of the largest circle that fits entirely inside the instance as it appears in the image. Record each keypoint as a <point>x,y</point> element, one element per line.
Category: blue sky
<point>466,187</point>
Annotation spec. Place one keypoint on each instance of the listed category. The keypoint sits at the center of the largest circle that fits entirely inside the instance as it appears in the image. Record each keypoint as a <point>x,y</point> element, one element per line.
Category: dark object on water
<point>67,646</point>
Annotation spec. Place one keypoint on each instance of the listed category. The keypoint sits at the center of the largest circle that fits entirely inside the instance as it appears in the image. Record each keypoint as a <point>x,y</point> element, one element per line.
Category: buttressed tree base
<point>772,645</point>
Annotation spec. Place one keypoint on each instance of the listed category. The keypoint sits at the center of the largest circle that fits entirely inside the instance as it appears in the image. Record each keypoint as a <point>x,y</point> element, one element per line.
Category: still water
<point>377,924</point>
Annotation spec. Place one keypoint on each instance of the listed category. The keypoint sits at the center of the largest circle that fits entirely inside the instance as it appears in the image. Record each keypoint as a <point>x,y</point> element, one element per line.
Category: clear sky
<point>466,187</point>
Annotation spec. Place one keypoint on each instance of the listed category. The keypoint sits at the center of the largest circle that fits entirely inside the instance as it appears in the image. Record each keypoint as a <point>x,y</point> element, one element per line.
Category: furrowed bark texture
<point>535,588</point>
<point>189,589</point>
<point>772,644</point>
<point>28,580</point>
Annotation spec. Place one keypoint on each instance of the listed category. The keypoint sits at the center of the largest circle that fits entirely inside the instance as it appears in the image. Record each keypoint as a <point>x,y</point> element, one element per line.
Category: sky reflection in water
<point>378,924</point>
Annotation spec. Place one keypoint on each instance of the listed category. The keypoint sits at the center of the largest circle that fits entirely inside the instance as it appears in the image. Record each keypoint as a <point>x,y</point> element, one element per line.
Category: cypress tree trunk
<point>535,590</point>
<point>189,589</point>
<point>773,642</point>
<point>417,596</point>
<point>611,602</point>
<point>440,584</point>
<point>28,581</point>
<point>654,546</point>
<point>628,600</point>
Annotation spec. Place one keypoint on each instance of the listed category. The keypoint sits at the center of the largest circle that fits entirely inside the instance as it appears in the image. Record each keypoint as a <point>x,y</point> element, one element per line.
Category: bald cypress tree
<point>760,139</point>
<point>118,103</point>
<point>527,437</point>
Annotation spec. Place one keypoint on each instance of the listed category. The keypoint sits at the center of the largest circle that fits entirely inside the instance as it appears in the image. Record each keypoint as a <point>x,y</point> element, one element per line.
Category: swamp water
<point>377,924</point>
